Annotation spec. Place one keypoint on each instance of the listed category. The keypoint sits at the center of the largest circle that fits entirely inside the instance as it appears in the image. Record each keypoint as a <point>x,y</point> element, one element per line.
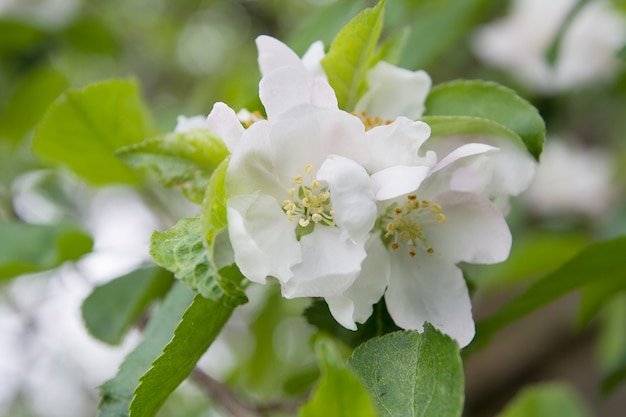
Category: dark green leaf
<point>490,101</point>
<point>112,308</point>
<point>89,34</point>
<point>546,400</point>
<point>555,47</point>
<point>600,262</point>
<point>199,326</point>
<point>467,125</point>
<point>117,393</point>
<point>351,55</point>
<point>26,248</point>
<point>622,53</point>
<point>32,96</point>
<point>412,374</point>
<point>83,128</point>
<point>18,37</point>
<point>378,324</point>
<point>339,393</point>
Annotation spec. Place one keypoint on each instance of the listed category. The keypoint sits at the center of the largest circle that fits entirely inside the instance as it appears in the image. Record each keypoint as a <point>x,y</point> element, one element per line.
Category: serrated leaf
<point>487,100</point>
<point>378,324</point>
<point>350,55</point>
<point>83,128</point>
<point>199,326</point>
<point>182,159</point>
<point>117,392</point>
<point>412,374</point>
<point>339,393</point>
<point>546,400</point>
<point>111,309</point>
<point>26,248</point>
<point>30,99</point>
<point>600,262</point>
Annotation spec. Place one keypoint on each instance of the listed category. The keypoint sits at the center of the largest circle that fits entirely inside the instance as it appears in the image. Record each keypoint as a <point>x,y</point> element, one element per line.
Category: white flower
<point>300,206</point>
<point>519,43</point>
<point>186,124</point>
<point>571,180</point>
<point>425,228</point>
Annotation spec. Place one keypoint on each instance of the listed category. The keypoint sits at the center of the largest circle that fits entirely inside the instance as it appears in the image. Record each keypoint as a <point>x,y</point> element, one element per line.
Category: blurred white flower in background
<point>49,14</point>
<point>571,180</point>
<point>520,41</point>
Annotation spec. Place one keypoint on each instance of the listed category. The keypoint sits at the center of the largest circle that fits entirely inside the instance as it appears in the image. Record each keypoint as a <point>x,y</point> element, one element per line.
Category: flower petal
<point>185,124</point>
<point>274,54</point>
<point>263,240</point>
<point>312,59</point>
<point>398,180</point>
<point>394,92</point>
<point>469,149</point>
<point>355,304</point>
<point>351,195</point>
<point>427,288</point>
<point>474,230</point>
<point>329,264</point>
<point>398,143</point>
<point>223,121</point>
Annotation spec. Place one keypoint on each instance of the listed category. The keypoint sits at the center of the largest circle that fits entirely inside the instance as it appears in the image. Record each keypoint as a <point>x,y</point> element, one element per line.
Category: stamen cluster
<point>370,122</point>
<point>309,203</point>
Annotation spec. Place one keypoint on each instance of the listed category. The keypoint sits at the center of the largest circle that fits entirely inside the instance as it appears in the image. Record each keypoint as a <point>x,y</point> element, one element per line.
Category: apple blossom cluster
<point>355,204</point>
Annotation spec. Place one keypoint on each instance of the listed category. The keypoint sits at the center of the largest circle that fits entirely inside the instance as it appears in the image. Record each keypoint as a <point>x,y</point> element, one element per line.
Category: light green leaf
<point>467,125</point>
<point>182,251</point>
<point>199,326</point>
<point>392,48</point>
<point>83,128</point>
<point>185,159</point>
<point>213,215</point>
<point>339,393</point>
<point>26,248</point>
<point>112,308</point>
<point>490,101</point>
<point>351,53</point>
<point>117,393</point>
<point>546,400</point>
<point>30,99</point>
<point>600,262</point>
<point>412,374</point>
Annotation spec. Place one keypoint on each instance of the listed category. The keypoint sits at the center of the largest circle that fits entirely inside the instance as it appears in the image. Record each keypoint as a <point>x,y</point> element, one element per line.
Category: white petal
<point>351,195</point>
<point>274,54</point>
<point>322,94</point>
<point>398,144</point>
<point>284,88</point>
<point>398,180</point>
<point>427,288</point>
<point>469,149</point>
<point>185,124</point>
<point>263,240</point>
<point>329,264</point>
<point>394,92</point>
<point>474,231</point>
<point>223,121</point>
<point>312,58</point>
<point>355,304</point>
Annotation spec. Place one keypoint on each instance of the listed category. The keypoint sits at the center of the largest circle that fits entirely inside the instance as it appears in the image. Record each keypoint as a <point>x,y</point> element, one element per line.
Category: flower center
<point>370,121</point>
<point>404,225</point>
<point>308,203</point>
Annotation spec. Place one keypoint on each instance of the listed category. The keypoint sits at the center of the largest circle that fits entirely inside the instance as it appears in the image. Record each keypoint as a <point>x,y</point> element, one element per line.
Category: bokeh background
<point>561,55</point>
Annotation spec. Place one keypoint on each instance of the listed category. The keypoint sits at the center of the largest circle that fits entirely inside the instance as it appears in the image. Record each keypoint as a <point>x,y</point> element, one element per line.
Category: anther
<point>412,253</point>
<point>430,249</point>
<point>394,246</point>
<point>308,168</point>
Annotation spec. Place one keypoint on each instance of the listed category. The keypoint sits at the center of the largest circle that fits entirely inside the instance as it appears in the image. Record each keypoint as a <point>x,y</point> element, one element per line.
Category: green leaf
<point>350,55</point>
<point>611,344</point>
<point>182,251</point>
<point>83,128</point>
<point>600,262</point>
<point>18,37</point>
<point>546,400</point>
<point>392,48</point>
<point>595,296</point>
<point>117,393</point>
<point>412,374</point>
<point>185,159</point>
<point>467,125</point>
<point>199,326</point>
<point>213,215</point>
<point>112,308</point>
<point>339,393</point>
<point>32,96</point>
<point>26,248</point>
<point>622,53</point>
<point>378,324</point>
<point>490,101</point>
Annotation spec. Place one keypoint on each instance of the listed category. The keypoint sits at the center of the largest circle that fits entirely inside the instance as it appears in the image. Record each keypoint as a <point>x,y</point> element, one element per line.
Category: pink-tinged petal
<point>427,288</point>
<point>223,121</point>
<point>398,180</point>
<point>351,195</point>
<point>394,91</point>
<point>185,124</point>
<point>329,264</point>
<point>474,229</point>
<point>355,304</point>
<point>274,54</point>
<point>463,151</point>
<point>263,239</point>
<point>398,143</point>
